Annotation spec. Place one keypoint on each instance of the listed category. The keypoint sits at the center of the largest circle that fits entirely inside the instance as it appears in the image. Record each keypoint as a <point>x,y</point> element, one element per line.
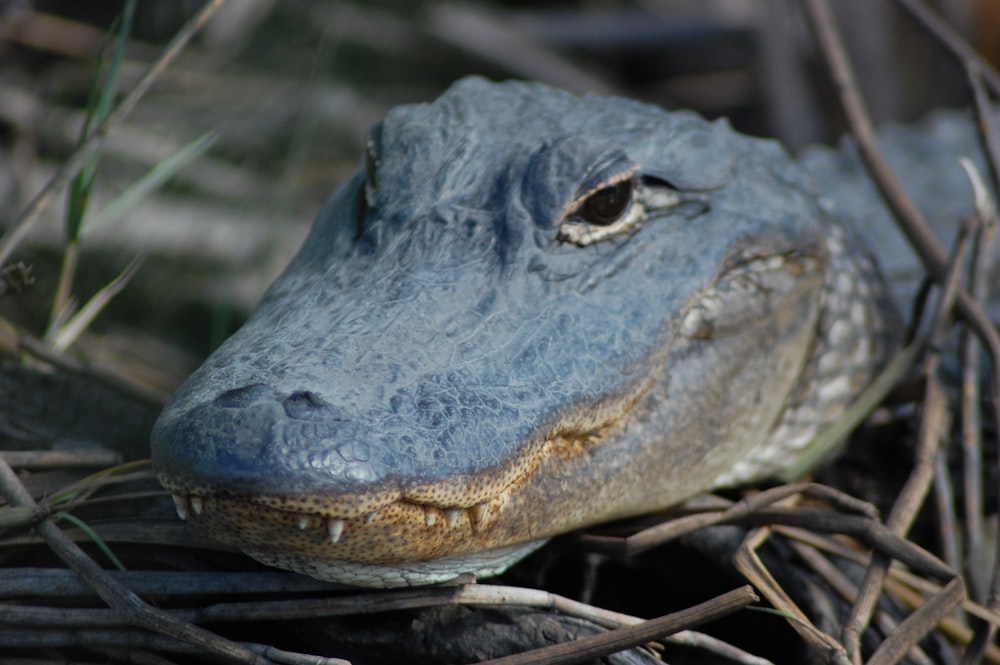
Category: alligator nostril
<point>305,398</point>
<point>244,396</point>
<point>300,404</point>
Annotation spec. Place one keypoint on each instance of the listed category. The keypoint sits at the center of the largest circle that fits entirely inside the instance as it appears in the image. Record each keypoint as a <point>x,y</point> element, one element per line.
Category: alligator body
<point>529,312</point>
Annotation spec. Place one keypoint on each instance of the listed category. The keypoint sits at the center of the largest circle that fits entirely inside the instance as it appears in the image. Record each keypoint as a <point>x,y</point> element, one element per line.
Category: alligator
<point>528,312</point>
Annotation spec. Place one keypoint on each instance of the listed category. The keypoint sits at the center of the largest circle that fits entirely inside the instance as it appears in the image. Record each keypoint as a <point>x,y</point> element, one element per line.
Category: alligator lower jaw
<point>400,544</point>
<point>413,573</point>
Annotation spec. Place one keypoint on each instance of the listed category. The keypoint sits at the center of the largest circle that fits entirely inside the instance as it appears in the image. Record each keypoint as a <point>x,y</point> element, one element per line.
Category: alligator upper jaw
<point>386,525</point>
<point>377,539</point>
<point>400,544</point>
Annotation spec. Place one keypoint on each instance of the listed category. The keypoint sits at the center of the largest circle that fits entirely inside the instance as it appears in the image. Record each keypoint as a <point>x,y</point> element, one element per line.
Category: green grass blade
<point>150,182</point>
<point>73,492</point>
<point>83,526</point>
<point>99,105</point>
<point>73,328</point>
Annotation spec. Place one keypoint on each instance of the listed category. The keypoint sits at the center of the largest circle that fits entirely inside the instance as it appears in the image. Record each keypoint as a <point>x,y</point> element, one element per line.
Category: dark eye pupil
<point>606,205</point>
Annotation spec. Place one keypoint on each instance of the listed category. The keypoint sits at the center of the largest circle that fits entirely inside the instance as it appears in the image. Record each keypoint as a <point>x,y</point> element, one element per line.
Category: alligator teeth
<point>197,504</point>
<point>430,515</point>
<point>303,522</point>
<point>477,512</point>
<point>180,503</point>
<point>335,528</point>
<point>451,516</point>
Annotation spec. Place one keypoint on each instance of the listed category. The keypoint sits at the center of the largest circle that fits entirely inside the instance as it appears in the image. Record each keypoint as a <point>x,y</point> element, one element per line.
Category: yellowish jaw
<point>402,544</point>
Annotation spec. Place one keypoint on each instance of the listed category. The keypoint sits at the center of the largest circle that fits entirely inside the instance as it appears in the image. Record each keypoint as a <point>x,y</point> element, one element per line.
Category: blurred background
<point>289,89</point>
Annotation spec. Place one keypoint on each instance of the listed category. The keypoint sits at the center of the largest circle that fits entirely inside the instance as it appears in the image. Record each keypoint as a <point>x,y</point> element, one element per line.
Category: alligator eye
<point>606,205</point>
<point>616,209</point>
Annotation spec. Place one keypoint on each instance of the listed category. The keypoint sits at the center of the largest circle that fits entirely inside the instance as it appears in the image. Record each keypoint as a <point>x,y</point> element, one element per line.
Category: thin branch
<point>38,349</point>
<point>913,494</point>
<point>979,73</point>
<point>946,35</point>
<point>589,648</point>
<point>846,589</point>
<point>916,626</point>
<point>911,220</point>
<point>984,120</point>
<point>970,408</point>
<point>753,569</point>
<point>117,596</point>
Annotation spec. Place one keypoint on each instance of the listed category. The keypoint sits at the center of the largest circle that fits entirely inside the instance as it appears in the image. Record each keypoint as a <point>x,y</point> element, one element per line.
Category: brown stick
<point>943,33</point>
<point>751,567</point>
<point>911,220</point>
<point>979,74</point>
<point>590,648</point>
<point>118,597</point>
<point>913,629</point>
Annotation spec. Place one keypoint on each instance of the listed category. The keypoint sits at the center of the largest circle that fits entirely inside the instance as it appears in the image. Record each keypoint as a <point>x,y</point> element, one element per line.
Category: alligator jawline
<point>354,514</point>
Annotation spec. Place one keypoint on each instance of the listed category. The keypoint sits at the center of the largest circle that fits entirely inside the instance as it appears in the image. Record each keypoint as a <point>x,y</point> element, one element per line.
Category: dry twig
<point>588,648</point>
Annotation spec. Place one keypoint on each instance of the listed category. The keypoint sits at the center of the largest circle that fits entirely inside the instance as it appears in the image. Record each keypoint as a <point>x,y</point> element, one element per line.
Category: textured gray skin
<point>436,327</point>
<point>926,158</point>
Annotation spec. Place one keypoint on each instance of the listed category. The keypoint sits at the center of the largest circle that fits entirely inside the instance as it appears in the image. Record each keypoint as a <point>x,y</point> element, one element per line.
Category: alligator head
<point>527,312</point>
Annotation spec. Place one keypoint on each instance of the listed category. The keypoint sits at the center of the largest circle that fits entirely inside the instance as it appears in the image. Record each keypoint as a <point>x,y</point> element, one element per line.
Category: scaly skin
<point>526,313</point>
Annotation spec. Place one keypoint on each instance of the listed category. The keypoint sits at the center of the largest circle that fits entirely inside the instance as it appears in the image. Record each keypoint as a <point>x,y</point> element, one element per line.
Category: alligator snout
<point>293,480</point>
<point>257,438</point>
